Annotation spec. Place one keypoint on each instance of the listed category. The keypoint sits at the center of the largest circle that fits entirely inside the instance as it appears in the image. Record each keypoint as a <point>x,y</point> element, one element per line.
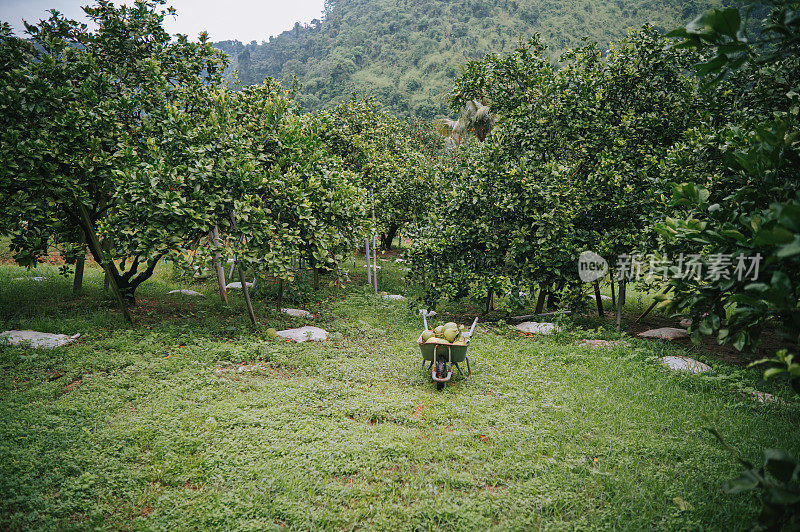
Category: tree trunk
<point>316,279</point>
<point>620,302</point>
<point>540,301</point>
<point>490,300</point>
<point>280,295</point>
<point>388,237</point>
<point>77,283</point>
<point>613,295</point>
<point>108,266</point>
<point>246,292</point>
<point>223,292</point>
<point>375,262</point>
<point>369,259</point>
<point>598,298</point>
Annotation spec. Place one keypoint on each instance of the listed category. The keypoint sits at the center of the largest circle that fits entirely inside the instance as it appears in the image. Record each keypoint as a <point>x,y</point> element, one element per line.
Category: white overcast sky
<point>246,20</point>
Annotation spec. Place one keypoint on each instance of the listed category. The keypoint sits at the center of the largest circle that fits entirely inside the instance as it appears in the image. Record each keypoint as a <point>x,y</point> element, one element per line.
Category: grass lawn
<point>152,427</point>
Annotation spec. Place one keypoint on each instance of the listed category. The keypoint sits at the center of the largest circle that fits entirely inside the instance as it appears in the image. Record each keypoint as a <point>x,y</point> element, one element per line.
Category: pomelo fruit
<point>450,325</point>
<point>438,330</point>
<point>426,335</point>
<point>272,333</point>
<point>450,334</point>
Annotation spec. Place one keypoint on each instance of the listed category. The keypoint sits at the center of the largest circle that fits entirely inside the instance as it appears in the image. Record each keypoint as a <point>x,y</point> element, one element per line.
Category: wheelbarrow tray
<point>458,353</point>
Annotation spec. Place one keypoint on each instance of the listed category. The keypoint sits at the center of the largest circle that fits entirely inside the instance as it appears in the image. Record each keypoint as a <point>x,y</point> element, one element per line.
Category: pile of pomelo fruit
<point>449,333</point>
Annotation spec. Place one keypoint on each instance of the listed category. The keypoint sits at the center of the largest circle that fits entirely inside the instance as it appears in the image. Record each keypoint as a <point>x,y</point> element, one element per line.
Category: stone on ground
<point>685,364</point>
<point>187,293</point>
<point>396,297</point>
<point>538,328</point>
<point>665,333</point>
<point>686,322</point>
<point>37,279</point>
<point>304,334</point>
<point>371,266</point>
<point>297,313</point>
<point>238,286</point>
<point>764,397</point>
<point>399,260</point>
<point>604,343</point>
<point>36,339</point>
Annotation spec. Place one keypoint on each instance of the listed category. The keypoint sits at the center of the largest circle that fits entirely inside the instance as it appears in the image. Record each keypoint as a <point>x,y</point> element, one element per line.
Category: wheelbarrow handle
<point>444,379</point>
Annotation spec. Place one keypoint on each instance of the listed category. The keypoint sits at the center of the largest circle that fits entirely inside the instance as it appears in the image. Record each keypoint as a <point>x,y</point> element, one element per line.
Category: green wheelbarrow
<point>442,356</point>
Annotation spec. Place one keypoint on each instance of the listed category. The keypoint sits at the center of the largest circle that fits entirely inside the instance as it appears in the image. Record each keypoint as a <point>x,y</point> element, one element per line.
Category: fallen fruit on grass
<point>272,333</point>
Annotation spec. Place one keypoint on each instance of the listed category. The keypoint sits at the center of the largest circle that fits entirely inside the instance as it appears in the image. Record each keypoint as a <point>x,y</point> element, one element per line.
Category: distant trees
<point>407,54</point>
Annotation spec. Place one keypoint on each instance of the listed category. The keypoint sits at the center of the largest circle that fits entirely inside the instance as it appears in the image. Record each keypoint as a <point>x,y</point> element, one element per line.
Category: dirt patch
<point>419,409</point>
<point>494,488</point>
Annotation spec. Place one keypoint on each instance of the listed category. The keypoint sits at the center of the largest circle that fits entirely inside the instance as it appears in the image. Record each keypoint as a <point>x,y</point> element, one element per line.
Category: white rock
<point>187,293</point>
<point>685,364</point>
<point>297,313</point>
<point>371,266</point>
<point>395,297</point>
<point>686,322</point>
<point>399,260</point>
<point>304,334</point>
<point>764,397</point>
<point>36,339</point>
<point>604,298</point>
<point>238,285</point>
<point>665,333</point>
<point>36,279</point>
<point>538,328</point>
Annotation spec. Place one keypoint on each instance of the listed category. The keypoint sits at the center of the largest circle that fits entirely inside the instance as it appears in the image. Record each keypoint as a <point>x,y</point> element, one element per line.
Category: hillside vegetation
<point>408,52</point>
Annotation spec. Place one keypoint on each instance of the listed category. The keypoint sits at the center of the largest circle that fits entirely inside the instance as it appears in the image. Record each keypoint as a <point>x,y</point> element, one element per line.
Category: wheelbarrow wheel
<point>441,372</point>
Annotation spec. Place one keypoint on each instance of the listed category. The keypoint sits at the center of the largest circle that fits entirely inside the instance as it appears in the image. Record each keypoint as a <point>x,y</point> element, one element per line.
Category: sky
<point>245,20</point>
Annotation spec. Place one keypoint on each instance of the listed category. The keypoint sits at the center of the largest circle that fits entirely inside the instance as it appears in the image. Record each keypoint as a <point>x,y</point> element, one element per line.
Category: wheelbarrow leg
<point>469,371</point>
<point>458,368</point>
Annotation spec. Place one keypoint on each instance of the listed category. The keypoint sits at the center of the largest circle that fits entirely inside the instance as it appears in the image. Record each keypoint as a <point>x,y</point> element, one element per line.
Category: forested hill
<point>407,52</point>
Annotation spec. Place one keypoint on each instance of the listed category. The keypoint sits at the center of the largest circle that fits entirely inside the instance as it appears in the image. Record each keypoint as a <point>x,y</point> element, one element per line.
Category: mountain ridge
<point>406,53</point>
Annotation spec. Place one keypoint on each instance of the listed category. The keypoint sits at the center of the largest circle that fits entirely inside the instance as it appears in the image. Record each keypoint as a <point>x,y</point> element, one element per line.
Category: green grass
<point>135,428</point>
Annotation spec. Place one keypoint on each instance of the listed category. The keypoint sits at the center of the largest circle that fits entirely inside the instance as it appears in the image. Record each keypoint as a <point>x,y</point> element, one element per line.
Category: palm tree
<point>475,119</point>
